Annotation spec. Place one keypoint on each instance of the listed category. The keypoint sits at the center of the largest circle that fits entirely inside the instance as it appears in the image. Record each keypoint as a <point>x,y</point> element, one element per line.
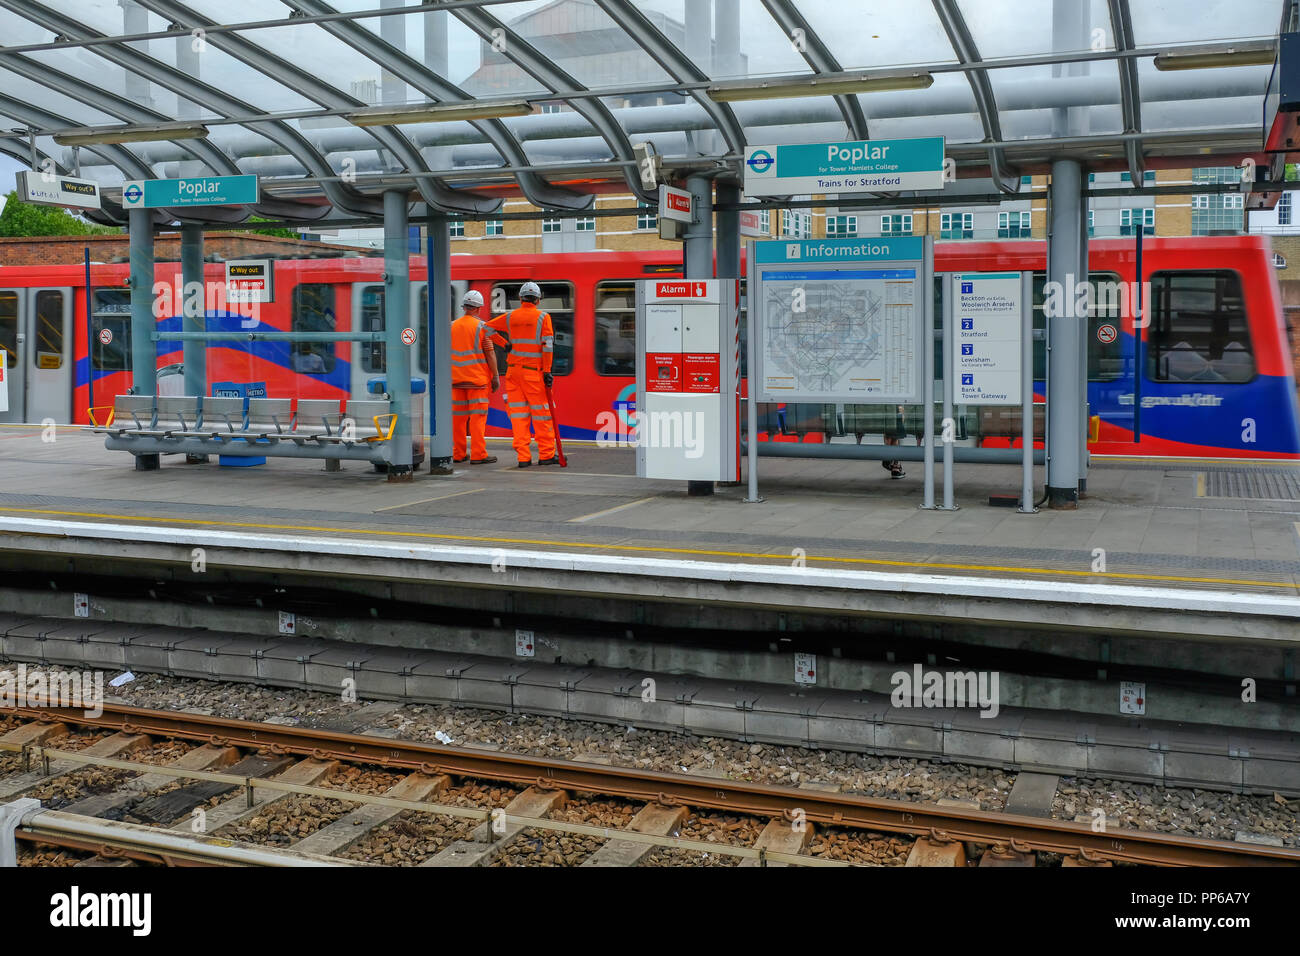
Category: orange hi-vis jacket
<point>532,339</point>
<point>473,360</point>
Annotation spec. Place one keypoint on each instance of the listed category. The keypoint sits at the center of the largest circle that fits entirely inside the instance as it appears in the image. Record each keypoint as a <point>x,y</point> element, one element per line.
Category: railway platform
<point>1177,547</point>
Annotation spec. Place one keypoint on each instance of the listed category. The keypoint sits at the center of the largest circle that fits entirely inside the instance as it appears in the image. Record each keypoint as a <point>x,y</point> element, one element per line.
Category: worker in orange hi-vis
<point>473,380</point>
<point>528,375</point>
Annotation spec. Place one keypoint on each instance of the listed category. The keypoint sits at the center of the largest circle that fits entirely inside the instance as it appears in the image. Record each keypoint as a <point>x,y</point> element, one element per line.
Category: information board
<point>838,320</point>
<point>987,327</point>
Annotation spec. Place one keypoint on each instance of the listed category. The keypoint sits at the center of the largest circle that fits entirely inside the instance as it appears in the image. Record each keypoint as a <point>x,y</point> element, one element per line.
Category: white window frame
<point>1284,211</point>
<point>849,224</point>
<point>552,225</point>
<point>1234,201</point>
<point>646,220</point>
<point>456,228</point>
<point>585,224</point>
<point>1201,201</point>
<point>492,228</point>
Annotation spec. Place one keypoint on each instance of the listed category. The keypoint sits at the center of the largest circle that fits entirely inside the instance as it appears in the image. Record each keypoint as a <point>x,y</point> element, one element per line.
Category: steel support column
<point>438,244</point>
<point>194,352</point>
<point>1063,364</point>
<point>728,231</point>
<point>697,259</point>
<point>144,353</point>
<point>397,300</point>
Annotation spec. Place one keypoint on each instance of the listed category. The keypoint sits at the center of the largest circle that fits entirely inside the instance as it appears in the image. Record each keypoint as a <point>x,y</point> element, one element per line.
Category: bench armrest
<point>99,408</point>
<point>392,424</point>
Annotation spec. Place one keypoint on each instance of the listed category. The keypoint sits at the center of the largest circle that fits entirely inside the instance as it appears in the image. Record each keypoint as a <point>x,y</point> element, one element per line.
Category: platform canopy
<point>467,102</point>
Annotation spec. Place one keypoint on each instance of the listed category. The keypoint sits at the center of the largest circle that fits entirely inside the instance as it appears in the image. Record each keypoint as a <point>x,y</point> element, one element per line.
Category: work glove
<point>548,379</point>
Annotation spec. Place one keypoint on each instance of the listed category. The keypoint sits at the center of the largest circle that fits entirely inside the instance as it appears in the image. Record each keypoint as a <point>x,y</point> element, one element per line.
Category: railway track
<point>264,765</point>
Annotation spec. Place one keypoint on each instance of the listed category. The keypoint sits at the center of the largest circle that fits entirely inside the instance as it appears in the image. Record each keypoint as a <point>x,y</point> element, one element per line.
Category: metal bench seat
<point>368,418</point>
<point>317,420</point>
<point>269,419</point>
<point>149,426</point>
<point>128,413</point>
<point>220,419</point>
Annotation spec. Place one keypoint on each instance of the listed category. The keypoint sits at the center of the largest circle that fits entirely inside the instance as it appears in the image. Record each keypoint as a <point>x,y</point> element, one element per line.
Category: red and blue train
<point>1210,375</point>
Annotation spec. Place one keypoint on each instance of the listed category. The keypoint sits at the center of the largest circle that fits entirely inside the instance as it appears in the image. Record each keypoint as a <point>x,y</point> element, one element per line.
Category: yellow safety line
<point>655,550</point>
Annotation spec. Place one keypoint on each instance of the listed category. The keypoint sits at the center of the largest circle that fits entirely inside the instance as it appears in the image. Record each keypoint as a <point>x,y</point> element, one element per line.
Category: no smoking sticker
<point>105,336</point>
<point>1107,334</point>
<point>408,336</point>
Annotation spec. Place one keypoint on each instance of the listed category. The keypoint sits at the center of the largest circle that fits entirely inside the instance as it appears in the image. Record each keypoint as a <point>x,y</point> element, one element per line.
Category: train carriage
<point>1213,377</point>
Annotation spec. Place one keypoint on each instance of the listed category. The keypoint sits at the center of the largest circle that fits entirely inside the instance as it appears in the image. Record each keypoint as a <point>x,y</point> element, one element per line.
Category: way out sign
<point>250,280</point>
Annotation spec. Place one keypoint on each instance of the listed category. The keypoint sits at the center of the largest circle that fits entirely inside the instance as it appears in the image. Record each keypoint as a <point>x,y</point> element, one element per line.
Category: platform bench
<point>148,425</point>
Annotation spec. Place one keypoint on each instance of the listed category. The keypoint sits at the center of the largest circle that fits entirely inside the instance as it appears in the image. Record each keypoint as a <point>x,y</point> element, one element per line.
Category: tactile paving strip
<point>1256,484</point>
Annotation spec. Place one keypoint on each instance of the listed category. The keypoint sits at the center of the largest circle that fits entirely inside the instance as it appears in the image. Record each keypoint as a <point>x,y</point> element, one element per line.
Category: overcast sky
<point>875,35</point>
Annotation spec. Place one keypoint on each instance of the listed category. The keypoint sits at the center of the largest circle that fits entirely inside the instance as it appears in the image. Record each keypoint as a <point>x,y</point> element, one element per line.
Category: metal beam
<point>820,58</point>
<point>963,45</point>
<point>434,192</point>
<point>119,156</point>
<point>131,112</point>
<point>678,65</point>
<point>406,68</point>
<point>289,139</point>
<point>1121,22</point>
<point>540,68</point>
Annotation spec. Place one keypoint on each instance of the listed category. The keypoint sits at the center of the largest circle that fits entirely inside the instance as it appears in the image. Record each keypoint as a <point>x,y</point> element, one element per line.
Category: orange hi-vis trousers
<point>526,402</point>
<point>469,410</point>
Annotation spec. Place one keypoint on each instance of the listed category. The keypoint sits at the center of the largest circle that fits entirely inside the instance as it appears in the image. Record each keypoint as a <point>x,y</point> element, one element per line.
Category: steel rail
<point>941,824</point>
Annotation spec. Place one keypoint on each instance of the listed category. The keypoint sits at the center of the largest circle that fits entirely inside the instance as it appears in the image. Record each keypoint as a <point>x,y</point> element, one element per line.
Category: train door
<point>36,337</point>
<point>368,316</point>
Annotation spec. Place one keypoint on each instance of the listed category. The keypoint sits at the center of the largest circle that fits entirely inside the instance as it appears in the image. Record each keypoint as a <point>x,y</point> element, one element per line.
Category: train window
<point>9,327</point>
<point>313,311</point>
<point>49,330</point>
<point>422,328</point>
<point>370,318</point>
<point>1199,329</point>
<point>616,328</point>
<point>112,313</point>
<point>1105,359</point>
<point>557,299</point>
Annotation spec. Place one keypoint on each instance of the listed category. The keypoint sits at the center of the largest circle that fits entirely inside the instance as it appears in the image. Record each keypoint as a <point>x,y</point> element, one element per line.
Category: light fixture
<point>779,87</point>
<point>1203,58</point>
<point>103,135</point>
<point>438,112</point>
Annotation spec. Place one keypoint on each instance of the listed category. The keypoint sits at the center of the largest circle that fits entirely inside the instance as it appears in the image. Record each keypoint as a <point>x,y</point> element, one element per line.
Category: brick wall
<point>69,250</point>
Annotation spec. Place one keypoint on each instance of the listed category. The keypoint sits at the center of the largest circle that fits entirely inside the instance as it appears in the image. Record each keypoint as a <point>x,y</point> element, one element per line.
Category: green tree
<point>28,219</point>
<point>282,233</point>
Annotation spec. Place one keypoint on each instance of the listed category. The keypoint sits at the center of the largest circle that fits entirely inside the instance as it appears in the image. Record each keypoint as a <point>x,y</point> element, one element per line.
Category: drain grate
<point>1256,484</point>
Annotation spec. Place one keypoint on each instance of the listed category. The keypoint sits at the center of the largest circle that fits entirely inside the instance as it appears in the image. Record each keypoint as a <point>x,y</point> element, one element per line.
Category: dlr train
<point>1207,372</point>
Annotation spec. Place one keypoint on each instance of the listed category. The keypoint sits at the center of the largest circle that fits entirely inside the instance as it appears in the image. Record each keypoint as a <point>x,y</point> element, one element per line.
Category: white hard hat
<point>473,299</point>
<point>530,290</point>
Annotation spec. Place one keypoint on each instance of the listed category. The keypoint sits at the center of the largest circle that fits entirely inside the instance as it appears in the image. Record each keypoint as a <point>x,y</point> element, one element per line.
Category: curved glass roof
<point>1012,84</point>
